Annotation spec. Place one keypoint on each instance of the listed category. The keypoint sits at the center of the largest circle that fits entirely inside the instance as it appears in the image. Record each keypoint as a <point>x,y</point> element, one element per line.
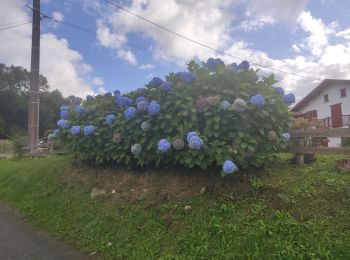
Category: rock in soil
<point>188,208</point>
<point>97,192</point>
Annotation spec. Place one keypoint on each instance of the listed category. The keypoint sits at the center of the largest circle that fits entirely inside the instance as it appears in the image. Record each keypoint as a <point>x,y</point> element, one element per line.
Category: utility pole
<point>33,109</point>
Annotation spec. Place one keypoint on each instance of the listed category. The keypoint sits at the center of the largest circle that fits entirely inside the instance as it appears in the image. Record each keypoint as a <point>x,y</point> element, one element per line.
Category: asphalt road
<point>21,240</point>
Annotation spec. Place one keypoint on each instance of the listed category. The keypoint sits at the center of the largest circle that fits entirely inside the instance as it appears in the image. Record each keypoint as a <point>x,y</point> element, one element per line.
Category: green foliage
<point>315,226</point>
<point>19,142</point>
<point>14,86</point>
<point>227,135</point>
<point>345,141</point>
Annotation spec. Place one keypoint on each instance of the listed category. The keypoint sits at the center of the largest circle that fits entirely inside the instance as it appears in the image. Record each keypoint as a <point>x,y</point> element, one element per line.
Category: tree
<point>14,87</point>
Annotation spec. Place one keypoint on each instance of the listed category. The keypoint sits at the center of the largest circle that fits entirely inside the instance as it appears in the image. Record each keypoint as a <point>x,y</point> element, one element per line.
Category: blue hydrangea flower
<point>195,142</point>
<point>229,167</point>
<point>75,130</point>
<point>64,107</point>
<point>110,119</point>
<point>289,98</point>
<point>56,131</point>
<point>244,65</point>
<point>163,145</point>
<point>64,114</point>
<point>187,77</point>
<point>141,98</point>
<point>257,100</point>
<point>62,123</point>
<point>153,108</point>
<point>287,136</point>
<point>280,91</point>
<point>166,85</point>
<point>79,109</point>
<point>155,82</point>
<point>77,100</point>
<point>219,62</point>
<point>130,113</point>
<point>142,105</point>
<point>117,93</point>
<point>89,130</point>
<point>123,101</point>
<point>212,64</point>
<point>136,149</point>
<point>233,67</point>
<point>89,98</point>
<point>51,137</point>
<point>190,135</point>
<point>225,105</point>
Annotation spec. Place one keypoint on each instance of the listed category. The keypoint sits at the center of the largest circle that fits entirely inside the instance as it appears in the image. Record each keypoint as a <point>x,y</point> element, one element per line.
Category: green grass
<point>291,213</point>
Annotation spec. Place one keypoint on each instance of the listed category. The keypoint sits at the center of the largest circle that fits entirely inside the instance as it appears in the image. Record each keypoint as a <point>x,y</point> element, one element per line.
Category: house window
<point>311,115</point>
<point>343,92</point>
<point>325,98</point>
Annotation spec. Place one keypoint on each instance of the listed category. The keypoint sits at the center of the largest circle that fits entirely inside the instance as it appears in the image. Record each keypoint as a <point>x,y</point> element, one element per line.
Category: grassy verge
<point>286,213</point>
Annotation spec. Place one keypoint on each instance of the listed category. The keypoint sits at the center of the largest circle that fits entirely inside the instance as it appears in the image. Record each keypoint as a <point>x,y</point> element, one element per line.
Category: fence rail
<point>343,120</point>
<point>303,143</point>
<point>6,149</point>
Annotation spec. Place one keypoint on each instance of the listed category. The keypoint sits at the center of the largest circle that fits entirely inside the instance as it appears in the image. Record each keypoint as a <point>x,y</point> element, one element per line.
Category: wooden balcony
<point>335,122</point>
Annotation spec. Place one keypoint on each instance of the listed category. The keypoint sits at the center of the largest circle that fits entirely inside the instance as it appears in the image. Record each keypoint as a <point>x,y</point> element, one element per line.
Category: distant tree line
<point>14,93</point>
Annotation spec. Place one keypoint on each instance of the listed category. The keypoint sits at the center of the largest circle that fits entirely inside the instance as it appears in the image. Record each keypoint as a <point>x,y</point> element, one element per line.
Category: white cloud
<point>211,22</point>
<point>63,66</point>
<point>97,81</point>
<point>128,56</point>
<point>58,16</point>
<point>344,34</point>
<point>276,10</point>
<point>101,90</point>
<point>319,33</point>
<point>108,39</point>
<point>146,66</point>
<point>254,25</point>
<point>204,21</point>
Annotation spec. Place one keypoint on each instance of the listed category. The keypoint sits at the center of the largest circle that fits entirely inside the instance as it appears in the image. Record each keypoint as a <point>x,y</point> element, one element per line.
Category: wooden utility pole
<point>33,109</point>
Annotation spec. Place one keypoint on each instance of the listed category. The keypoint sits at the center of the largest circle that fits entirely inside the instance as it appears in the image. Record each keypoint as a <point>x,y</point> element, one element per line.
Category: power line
<point>13,26</point>
<point>88,30</point>
<point>175,33</point>
<point>22,21</point>
<point>202,44</point>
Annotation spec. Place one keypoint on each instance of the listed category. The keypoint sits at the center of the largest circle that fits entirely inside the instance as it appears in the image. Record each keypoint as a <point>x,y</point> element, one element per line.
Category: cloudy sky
<point>119,51</point>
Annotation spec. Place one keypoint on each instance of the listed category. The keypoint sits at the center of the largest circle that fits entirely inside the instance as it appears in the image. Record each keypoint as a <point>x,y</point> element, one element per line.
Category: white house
<point>329,103</point>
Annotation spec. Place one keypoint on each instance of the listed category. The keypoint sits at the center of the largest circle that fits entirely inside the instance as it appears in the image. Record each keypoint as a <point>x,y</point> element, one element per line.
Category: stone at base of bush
<point>97,192</point>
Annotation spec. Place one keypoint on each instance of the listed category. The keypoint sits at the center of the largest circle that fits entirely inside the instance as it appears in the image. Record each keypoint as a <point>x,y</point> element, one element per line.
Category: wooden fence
<point>6,149</point>
<point>304,142</point>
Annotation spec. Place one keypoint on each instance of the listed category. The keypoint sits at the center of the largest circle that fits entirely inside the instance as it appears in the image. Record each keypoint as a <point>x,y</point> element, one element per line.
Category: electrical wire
<point>13,26</point>
<point>204,45</point>
<point>6,24</point>
<point>88,30</point>
<point>175,33</point>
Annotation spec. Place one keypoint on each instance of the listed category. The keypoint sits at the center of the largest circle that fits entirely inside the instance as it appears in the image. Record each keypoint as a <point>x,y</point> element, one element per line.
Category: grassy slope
<point>291,213</point>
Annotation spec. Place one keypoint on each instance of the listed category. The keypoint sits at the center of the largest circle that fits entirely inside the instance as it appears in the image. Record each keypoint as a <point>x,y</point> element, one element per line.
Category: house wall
<point>324,110</point>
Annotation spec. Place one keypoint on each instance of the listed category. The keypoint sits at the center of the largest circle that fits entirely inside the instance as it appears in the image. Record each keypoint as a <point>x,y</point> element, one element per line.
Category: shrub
<point>19,142</point>
<point>209,115</point>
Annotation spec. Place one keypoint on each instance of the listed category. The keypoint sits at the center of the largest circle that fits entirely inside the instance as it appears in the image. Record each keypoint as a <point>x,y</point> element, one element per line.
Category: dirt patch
<point>153,186</point>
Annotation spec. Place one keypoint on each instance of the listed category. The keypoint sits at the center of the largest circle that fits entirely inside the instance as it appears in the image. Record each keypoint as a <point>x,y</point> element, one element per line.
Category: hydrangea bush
<point>210,115</point>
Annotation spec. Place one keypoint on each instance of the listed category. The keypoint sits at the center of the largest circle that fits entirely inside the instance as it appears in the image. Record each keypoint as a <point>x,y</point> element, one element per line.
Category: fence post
<point>300,157</point>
